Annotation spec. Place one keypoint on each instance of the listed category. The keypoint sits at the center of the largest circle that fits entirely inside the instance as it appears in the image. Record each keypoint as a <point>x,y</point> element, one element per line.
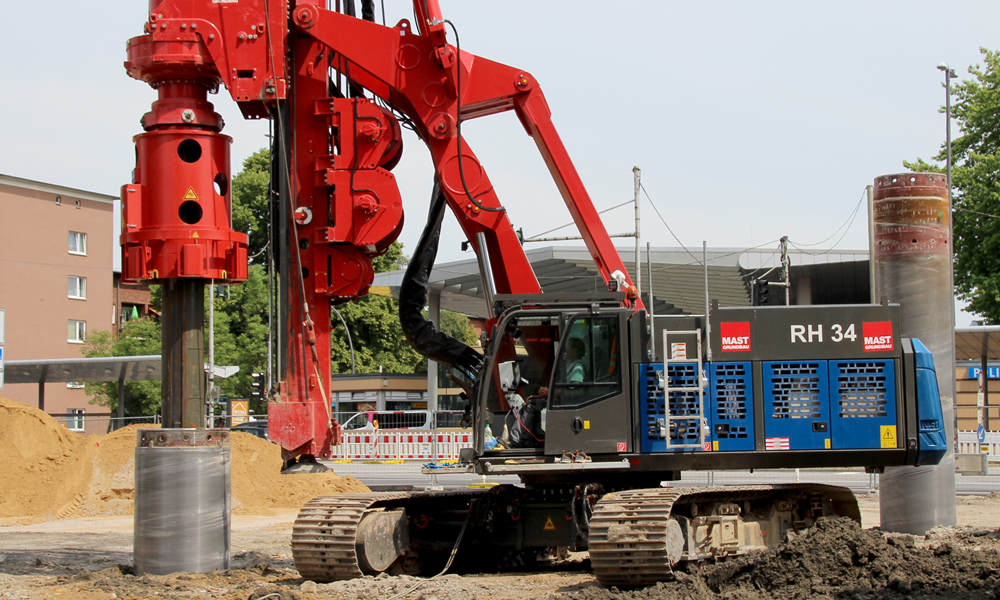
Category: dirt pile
<point>45,467</point>
<point>258,484</point>
<point>51,472</point>
<point>836,559</point>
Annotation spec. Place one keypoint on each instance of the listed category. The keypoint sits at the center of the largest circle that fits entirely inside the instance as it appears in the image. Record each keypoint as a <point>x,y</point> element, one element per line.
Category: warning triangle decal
<point>549,525</point>
<point>190,195</point>
<point>888,435</point>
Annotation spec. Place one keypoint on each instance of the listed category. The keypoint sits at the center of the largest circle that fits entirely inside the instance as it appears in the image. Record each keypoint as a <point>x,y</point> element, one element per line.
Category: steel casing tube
<point>182,501</point>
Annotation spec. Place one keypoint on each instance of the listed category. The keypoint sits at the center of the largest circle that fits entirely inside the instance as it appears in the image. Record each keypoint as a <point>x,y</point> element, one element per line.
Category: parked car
<point>257,428</point>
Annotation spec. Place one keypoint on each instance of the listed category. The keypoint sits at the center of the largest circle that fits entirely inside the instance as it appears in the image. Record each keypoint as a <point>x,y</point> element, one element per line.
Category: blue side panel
<point>652,408</point>
<point>796,405</point>
<point>932,441</point>
<point>863,399</point>
<point>731,406</point>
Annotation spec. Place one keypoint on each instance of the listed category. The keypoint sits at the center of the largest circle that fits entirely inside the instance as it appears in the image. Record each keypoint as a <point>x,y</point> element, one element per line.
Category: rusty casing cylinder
<point>913,262</point>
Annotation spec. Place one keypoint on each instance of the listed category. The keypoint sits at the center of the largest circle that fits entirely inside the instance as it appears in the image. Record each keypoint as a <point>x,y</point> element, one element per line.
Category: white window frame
<point>80,292</point>
<point>76,419</point>
<point>79,329</point>
<point>80,239</point>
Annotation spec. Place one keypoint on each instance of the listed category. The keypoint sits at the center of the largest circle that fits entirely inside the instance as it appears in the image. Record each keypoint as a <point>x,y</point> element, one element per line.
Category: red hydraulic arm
<point>284,60</point>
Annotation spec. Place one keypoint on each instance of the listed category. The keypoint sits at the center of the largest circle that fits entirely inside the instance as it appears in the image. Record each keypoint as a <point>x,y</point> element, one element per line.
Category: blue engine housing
<point>774,406</point>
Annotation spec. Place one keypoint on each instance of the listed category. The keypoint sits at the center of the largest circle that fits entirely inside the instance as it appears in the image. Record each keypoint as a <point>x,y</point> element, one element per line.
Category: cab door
<point>589,409</point>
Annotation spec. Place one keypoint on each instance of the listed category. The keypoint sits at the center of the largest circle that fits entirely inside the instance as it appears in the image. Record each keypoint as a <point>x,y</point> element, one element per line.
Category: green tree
<point>376,332</point>
<point>139,337</point>
<point>976,185</point>
<point>241,333</point>
<point>250,209</point>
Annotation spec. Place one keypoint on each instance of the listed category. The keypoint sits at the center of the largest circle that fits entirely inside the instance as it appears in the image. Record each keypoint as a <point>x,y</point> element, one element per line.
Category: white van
<point>388,419</point>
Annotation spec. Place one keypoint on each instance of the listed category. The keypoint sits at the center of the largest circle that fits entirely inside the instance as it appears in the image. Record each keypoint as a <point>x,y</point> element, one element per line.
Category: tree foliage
<point>250,209</point>
<point>138,338</point>
<point>976,184</point>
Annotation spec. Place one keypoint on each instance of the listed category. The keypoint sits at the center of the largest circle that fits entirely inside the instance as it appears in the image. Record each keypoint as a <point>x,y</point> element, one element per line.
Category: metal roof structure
<point>676,276</point>
<point>67,370</point>
<point>977,341</point>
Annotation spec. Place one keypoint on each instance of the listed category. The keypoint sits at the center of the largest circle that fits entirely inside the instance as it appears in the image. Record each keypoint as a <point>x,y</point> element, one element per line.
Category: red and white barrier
<point>401,444</point>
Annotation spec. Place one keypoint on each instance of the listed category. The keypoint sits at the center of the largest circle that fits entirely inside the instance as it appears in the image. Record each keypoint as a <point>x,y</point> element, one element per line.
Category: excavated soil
<point>50,472</point>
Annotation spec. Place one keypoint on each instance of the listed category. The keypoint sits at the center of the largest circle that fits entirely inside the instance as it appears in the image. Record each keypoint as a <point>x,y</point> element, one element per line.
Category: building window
<point>74,419</point>
<point>77,243</point>
<point>58,200</point>
<point>77,332</point>
<point>77,287</point>
<point>74,385</point>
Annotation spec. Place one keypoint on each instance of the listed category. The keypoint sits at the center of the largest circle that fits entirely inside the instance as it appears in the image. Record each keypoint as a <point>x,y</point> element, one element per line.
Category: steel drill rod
<point>183,383</point>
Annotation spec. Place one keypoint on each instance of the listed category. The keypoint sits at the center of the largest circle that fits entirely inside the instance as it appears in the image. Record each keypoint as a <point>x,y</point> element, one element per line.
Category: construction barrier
<point>401,444</point>
<point>416,445</point>
<point>968,444</point>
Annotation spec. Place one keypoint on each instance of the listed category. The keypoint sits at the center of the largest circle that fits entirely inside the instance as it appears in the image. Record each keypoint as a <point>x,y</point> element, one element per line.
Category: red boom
<point>345,202</point>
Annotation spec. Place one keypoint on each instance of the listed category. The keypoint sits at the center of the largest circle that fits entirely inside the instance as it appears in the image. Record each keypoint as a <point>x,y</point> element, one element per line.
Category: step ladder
<point>664,384</point>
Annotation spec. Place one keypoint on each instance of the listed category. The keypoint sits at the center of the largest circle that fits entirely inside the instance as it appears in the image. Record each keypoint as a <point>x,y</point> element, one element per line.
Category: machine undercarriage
<point>635,536</point>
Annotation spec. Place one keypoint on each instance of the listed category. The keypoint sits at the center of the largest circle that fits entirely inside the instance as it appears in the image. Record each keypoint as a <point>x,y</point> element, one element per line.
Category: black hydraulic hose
<point>368,10</point>
<point>422,334</point>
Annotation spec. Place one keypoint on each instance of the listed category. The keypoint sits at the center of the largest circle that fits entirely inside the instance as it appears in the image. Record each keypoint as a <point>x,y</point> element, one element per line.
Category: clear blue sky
<point>749,120</point>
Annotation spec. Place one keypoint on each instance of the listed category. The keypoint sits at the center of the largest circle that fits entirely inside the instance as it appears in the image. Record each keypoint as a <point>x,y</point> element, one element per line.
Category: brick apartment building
<point>56,284</point>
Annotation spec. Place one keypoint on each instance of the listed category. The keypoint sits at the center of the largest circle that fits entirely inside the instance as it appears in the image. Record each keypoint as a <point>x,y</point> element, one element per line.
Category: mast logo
<point>735,336</point>
<point>877,336</point>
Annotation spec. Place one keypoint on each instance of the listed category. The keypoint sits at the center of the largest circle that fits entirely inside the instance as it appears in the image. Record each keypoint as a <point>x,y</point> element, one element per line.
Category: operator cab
<point>559,380</point>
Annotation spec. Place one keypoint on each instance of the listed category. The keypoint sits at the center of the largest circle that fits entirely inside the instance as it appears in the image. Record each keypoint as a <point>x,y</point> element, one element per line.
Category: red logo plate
<point>735,336</point>
<point>621,446</point>
<point>877,336</point>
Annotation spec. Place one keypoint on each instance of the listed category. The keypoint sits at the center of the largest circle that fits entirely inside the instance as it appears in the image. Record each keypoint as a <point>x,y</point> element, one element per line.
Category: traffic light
<point>257,385</point>
<point>762,292</point>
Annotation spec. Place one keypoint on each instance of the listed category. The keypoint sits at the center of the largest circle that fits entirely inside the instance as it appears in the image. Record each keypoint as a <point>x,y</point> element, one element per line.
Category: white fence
<point>968,444</point>
<point>401,444</point>
<point>414,444</point>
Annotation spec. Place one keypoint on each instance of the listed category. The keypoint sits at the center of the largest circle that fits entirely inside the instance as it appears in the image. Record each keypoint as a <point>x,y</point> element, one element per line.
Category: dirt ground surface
<point>66,533</point>
<point>90,558</point>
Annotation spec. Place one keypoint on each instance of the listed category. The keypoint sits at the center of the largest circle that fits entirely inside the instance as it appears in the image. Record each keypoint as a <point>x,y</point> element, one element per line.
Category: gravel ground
<point>90,558</point>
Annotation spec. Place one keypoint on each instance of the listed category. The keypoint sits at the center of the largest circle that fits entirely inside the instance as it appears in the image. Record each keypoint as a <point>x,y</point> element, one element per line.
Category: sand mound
<point>45,466</point>
<point>51,472</point>
<point>258,484</point>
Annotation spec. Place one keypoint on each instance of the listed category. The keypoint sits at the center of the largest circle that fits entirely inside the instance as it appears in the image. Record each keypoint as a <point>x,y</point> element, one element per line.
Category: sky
<point>749,120</point>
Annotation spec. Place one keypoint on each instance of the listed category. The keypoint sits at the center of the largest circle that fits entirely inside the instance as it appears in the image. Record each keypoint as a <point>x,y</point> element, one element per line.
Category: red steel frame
<point>346,203</point>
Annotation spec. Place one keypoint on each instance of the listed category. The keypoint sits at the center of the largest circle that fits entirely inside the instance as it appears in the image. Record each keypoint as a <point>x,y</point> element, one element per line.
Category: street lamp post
<point>949,73</point>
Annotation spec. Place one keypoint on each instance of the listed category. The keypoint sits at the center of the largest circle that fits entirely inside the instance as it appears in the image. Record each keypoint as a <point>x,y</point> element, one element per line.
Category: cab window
<point>587,368</point>
<point>528,339</point>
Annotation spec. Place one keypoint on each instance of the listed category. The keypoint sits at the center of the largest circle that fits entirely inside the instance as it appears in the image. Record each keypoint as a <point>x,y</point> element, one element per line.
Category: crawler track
<point>324,535</point>
<point>632,540</point>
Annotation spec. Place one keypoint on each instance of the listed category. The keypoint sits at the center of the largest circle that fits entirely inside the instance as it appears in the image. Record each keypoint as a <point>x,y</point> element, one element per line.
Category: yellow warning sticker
<point>715,445</point>
<point>190,195</point>
<point>549,525</point>
<point>194,234</point>
<point>887,433</point>
<point>586,424</point>
<point>826,443</point>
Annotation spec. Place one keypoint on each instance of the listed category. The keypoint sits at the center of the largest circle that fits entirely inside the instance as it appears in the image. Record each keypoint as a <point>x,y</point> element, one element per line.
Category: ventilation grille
<point>682,403</point>
<point>731,387</point>
<point>795,389</point>
<point>861,389</point>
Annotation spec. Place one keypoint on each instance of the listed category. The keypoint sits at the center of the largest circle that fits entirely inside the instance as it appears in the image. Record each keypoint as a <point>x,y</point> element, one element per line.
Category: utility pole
<point>209,396</point>
<point>637,176</point>
<point>785,276</point>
